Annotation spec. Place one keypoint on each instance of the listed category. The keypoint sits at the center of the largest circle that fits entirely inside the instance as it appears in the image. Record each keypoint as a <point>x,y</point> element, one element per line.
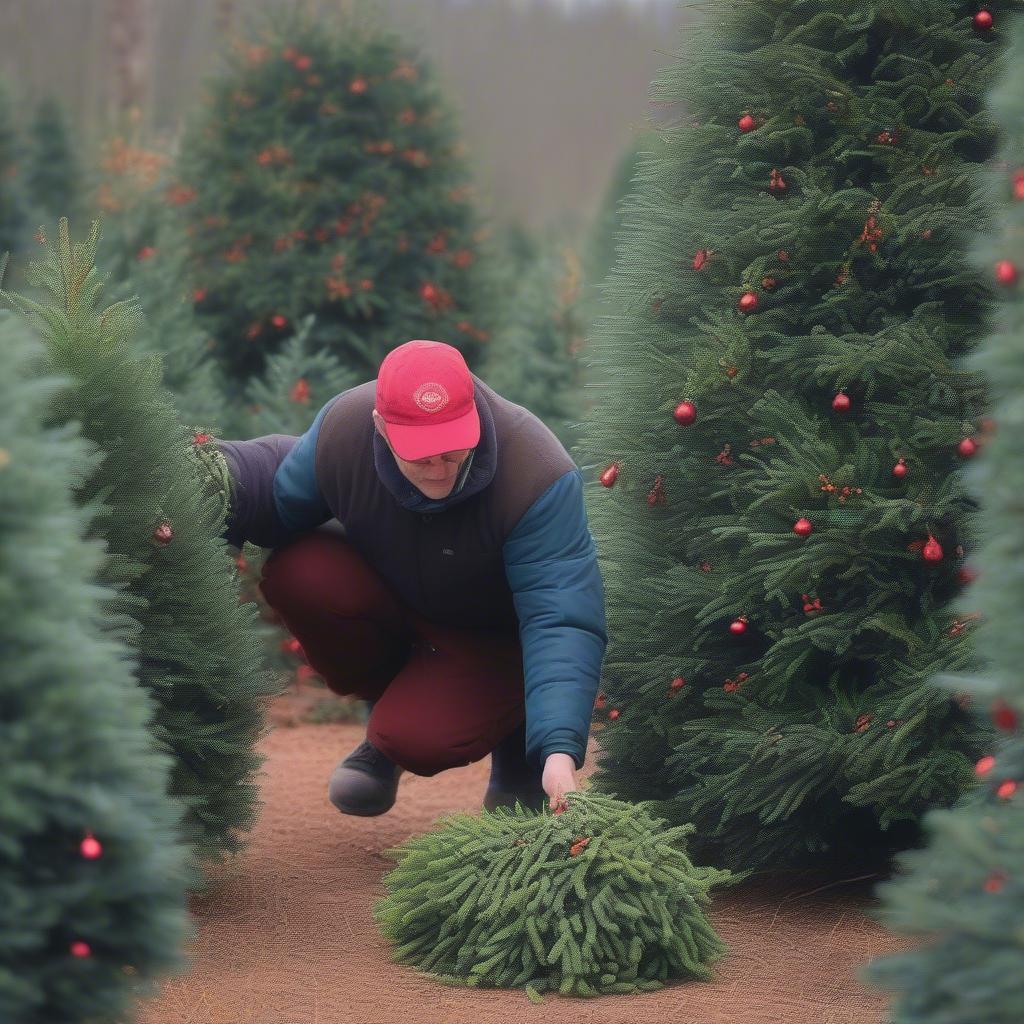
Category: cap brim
<point>420,442</point>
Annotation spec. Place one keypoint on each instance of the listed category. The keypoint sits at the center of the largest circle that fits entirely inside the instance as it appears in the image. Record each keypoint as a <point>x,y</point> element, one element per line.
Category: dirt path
<point>289,937</point>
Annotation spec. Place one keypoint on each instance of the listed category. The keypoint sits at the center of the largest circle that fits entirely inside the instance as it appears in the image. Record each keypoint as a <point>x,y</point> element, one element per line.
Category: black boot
<point>513,778</point>
<point>366,782</point>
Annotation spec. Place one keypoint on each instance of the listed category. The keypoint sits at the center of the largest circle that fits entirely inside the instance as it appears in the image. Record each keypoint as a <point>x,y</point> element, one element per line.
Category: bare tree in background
<point>127,24</point>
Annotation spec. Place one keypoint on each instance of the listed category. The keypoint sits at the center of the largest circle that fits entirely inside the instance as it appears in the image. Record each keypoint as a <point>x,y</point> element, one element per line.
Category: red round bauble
<point>900,469</point>
<point>983,20</point>
<point>610,475</point>
<point>1006,272</point>
<point>279,321</point>
<point>747,302</point>
<point>685,413</point>
<point>967,447</point>
<point>1004,716</point>
<point>80,949</point>
<point>841,403</point>
<point>163,534</point>
<point>613,714</point>
<point>1018,185</point>
<point>738,626</point>
<point>984,766</point>
<point>89,847</point>
<point>1006,789</point>
<point>678,683</point>
<point>802,527</point>
<point>700,259</point>
<point>747,123</point>
<point>932,551</point>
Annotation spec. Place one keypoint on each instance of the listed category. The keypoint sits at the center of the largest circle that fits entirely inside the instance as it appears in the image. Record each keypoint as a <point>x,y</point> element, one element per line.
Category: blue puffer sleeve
<point>274,491</point>
<point>551,566</point>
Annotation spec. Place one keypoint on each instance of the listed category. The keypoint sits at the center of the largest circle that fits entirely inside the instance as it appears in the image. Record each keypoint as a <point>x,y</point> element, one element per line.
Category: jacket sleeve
<point>551,566</point>
<point>275,495</point>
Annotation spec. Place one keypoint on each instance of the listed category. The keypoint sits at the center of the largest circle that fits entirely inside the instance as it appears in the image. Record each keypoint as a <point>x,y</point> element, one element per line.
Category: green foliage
<point>52,174</point>
<point>964,889</point>
<point>534,358</point>
<point>75,753</point>
<point>500,900</point>
<point>177,599</point>
<point>13,223</point>
<point>324,177</point>
<point>818,728</point>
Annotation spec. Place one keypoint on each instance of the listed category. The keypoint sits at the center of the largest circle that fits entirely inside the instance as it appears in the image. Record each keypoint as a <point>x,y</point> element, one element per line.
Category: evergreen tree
<point>964,889</point>
<point>52,174</point>
<point>324,177</point>
<point>781,408</point>
<point>92,879</point>
<point>534,358</point>
<point>176,601</point>
<point>170,327</point>
<point>13,224</point>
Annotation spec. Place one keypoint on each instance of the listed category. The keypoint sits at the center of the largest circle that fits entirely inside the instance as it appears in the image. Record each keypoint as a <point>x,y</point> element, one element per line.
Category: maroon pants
<point>445,696</point>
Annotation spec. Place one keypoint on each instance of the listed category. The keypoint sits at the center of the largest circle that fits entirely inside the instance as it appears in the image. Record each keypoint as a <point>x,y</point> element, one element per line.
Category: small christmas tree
<point>53,178</point>
<point>323,176</point>
<point>593,898</point>
<point>92,875</point>
<point>168,560</point>
<point>965,890</point>
<point>535,357</point>
<point>780,431</point>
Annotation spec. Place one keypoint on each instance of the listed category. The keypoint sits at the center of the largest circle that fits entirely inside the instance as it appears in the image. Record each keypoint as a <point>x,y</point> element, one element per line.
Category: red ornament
<point>984,766</point>
<point>701,258</point>
<point>900,469</point>
<point>678,683</point>
<point>610,475</point>
<point>967,447</point>
<point>600,701</point>
<point>1018,185</point>
<point>802,527</point>
<point>303,64</point>
<point>1006,789</point>
<point>163,534</point>
<point>1003,715</point>
<point>613,714</point>
<point>90,847</point>
<point>80,949</point>
<point>932,551</point>
<point>995,881</point>
<point>747,302</point>
<point>738,626</point>
<point>747,123</point>
<point>776,182</point>
<point>279,321</point>
<point>300,392</point>
<point>841,403</point>
<point>241,562</point>
<point>198,294</point>
<point>561,806</point>
<point>1006,272</point>
<point>783,256</point>
<point>685,413</point>
<point>291,645</point>
<point>983,20</point>
<point>358,85</point>
<point>200,438</point>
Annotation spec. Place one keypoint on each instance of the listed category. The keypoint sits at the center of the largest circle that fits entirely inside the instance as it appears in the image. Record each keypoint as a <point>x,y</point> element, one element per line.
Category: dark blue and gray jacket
<point>509,548</point>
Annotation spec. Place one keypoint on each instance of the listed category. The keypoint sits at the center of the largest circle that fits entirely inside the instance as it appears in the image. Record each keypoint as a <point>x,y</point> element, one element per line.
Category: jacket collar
<point>476,473</point>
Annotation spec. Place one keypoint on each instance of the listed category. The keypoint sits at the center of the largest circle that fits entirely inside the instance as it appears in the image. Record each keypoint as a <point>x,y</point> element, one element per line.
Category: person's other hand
<point>559,776</point>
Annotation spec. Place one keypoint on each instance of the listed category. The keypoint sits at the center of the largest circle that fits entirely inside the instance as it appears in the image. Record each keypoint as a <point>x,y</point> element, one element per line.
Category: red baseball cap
<point>425,395</point>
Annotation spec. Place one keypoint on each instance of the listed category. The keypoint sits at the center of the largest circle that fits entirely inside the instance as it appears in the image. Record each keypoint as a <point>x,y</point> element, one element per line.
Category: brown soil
<point>287,935</point>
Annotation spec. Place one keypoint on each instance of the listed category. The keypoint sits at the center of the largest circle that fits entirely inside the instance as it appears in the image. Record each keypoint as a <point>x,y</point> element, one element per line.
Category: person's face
<point>434,475</point>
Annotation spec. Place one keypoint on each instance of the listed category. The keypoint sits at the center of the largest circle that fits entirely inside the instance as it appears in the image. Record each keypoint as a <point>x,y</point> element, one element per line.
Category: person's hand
<point>559,776</point>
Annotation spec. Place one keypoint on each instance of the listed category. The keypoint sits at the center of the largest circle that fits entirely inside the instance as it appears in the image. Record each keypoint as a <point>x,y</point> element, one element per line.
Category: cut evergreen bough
<point>498,900</point>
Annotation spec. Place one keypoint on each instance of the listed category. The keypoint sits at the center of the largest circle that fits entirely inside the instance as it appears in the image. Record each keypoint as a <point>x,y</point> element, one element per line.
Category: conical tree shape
<point>325,177</point>
<point>964,890</point>
<point>534,359</point>
<point>82,927</point>
<point>780,552</point>
<point>170,326</point>
<point>178,601</point>
<point>52,178</point>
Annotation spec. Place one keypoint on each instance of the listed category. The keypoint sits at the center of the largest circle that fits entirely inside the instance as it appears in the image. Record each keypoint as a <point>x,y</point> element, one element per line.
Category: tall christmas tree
<point>92,877</point>
<point>53,177</point>
<point>177,600</point>
<point>781,426</point>
<point>965,890</point>
<point>534,359</point>
<point>12,201</point>
<point>323,176</point>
